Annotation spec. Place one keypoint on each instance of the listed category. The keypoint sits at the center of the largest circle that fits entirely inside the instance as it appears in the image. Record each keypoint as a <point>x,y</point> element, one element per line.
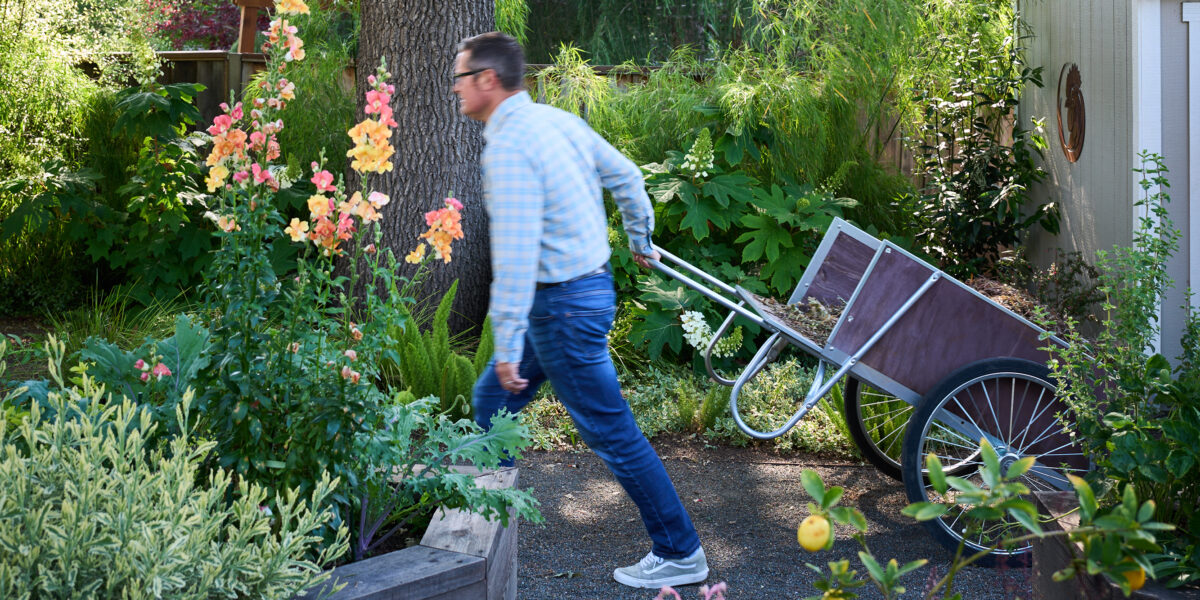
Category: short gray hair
<point>500,53</point>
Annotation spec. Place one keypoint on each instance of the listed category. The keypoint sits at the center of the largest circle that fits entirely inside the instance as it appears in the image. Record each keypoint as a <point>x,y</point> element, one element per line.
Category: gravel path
<point>746,504</point>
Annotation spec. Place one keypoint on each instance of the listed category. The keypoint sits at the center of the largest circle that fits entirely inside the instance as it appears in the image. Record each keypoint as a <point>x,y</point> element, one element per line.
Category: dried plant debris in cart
<point>1015,299</point>
<point>809,317</point>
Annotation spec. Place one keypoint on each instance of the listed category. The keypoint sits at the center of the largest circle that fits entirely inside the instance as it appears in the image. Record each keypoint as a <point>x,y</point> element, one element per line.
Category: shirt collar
<point>506,108</point>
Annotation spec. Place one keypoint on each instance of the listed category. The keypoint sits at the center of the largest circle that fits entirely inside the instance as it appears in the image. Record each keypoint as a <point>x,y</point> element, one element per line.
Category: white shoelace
<point>649,561</point>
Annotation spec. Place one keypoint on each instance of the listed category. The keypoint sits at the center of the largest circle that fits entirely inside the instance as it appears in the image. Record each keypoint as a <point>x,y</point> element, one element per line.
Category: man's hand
<point>643,260</point>
<point>510,377</point>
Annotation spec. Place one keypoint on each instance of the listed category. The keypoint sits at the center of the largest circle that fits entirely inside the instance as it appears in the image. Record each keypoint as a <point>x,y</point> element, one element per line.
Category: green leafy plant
<point>1134,413</point>
<point>93,508</point>
<point>152,226</point>
<point>703,212</point>
<point>428,366</point>
<point>1114,541</point>
<point>420,446</point>
<point>975,202</point>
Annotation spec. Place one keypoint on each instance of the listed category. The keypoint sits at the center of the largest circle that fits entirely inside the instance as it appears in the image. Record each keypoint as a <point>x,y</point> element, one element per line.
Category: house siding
<point>1093,194</point>
<point>1096,193</point>
<point>1175,153</point>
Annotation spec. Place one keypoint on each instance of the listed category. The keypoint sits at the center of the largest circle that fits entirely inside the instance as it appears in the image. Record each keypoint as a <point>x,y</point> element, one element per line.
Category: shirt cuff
<point>641,246</point>
<point>507,355</point>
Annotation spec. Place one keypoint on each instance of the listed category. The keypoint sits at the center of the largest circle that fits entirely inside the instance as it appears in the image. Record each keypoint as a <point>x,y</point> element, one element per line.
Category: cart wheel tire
<point>1011,402</point>
<point>876,420</point>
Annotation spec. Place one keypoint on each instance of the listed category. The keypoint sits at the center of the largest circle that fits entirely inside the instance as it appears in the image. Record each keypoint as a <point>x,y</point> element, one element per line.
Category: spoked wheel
<point>1011,403</point>
<point>876,420</point>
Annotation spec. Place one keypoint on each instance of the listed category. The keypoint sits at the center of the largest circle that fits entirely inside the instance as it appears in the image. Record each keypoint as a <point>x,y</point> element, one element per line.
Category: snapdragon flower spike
<point>372,149</point>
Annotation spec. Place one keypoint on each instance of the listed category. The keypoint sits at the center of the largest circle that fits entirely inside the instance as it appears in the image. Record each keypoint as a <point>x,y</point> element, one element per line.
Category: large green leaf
<point>729,187</point>
<point>185,352</point>
<point>765,236</point>
<point>671,188</point>
<point>699,212</point>
<point>656,330</point>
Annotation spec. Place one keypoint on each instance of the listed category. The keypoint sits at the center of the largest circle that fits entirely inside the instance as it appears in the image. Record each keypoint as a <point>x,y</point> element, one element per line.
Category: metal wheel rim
<point>887,446</point>
<point>1016,440</point>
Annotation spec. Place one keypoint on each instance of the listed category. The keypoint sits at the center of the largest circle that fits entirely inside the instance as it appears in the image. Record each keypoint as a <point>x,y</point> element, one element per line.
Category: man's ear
<point>491,81</point>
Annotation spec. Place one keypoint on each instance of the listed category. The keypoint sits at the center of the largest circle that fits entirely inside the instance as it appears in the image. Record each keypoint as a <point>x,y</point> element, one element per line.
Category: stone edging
<point>462,556</point>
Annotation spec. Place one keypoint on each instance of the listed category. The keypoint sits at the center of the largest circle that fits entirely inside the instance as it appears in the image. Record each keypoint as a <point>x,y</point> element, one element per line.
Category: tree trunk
<point>437,149</point>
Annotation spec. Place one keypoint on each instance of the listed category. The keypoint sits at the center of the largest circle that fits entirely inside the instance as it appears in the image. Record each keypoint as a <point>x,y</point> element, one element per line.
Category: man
<point>552,298</point>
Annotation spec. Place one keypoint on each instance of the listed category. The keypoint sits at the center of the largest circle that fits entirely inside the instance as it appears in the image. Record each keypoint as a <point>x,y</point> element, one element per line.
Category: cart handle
<point>721,299</point>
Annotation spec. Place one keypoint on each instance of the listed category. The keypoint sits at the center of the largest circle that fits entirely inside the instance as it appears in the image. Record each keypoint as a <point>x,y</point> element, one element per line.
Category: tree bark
<point>437,149</point>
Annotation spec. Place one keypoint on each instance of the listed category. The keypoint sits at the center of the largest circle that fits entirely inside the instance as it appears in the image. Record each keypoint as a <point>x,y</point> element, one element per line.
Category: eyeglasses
<point>470,73</point>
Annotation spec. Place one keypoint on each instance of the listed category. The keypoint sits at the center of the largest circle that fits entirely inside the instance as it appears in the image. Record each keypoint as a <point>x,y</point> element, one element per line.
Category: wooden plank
<point>947,328</point>
<point>468,533</point>
<point>248,29</point>
<point>841,270</point>
<point>502,564</point>
<point>416,573</point>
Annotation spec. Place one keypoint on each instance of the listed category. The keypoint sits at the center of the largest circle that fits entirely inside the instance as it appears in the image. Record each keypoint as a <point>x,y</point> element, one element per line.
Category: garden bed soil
<point>23,331</point>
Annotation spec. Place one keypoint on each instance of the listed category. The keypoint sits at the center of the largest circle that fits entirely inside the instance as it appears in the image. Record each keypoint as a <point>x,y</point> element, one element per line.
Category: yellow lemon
<point>814,533</point>
<point>1136,577</point>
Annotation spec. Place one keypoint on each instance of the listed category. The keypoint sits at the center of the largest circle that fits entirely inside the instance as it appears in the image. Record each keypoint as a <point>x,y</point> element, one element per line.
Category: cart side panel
<point>947,328</point>
<point>840,270</point>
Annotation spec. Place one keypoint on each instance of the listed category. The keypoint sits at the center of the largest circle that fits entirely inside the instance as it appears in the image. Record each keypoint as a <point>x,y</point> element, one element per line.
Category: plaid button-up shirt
<point>543,170</point>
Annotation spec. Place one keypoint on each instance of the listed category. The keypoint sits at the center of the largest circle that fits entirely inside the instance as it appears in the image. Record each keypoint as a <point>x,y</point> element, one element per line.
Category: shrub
<point>975,200</point>
<point>92,508</point>
<point>1133,413</point>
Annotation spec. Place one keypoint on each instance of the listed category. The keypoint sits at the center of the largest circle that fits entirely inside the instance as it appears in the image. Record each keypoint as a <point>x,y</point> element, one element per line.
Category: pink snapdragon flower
<point>324,181</point>
<point>160,370</point>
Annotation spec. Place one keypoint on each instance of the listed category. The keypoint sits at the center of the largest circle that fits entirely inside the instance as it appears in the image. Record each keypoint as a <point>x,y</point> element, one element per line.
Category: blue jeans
<point>567,344</point>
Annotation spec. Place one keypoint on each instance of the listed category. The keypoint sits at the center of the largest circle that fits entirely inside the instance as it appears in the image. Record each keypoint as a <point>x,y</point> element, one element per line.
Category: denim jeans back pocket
<point>587,333</point>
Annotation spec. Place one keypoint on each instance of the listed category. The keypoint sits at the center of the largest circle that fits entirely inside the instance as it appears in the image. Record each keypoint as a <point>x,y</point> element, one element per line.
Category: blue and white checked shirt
<point>543,170</point>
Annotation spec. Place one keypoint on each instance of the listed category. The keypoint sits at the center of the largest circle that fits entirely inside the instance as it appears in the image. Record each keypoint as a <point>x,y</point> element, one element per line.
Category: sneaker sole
<point>687,579</point>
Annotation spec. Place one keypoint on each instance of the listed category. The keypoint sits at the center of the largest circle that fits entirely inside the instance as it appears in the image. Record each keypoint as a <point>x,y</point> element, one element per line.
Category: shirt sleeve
<point>515,201</point>
<point>624,179</point>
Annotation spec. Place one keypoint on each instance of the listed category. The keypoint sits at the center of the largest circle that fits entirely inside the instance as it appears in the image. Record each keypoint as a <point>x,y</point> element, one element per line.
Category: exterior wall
<point>1094,194</point>
<point>1175,151</point>
<point>1133,57</point>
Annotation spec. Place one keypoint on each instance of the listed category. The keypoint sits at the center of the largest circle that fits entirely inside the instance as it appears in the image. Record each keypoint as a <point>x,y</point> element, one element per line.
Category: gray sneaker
<point>654,572</point>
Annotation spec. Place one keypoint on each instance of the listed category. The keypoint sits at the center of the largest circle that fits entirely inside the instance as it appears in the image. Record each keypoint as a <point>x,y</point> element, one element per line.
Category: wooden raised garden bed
<point>462,556</point>
<point>1053,554</point>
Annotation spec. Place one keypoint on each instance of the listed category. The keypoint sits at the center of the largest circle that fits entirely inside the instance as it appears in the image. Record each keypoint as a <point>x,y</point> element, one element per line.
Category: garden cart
<point>930,365</point>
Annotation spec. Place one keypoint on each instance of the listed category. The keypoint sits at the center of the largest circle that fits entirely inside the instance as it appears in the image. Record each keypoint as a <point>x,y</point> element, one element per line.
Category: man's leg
<point>489,397</point>
<point>569,326</point>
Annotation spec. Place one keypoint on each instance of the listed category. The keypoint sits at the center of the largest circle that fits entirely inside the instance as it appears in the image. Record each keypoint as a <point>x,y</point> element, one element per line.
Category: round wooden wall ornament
<point>1070,100</point>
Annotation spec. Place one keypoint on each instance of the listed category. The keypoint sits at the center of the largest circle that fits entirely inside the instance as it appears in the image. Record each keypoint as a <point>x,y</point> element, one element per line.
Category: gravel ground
<point>746,504</point>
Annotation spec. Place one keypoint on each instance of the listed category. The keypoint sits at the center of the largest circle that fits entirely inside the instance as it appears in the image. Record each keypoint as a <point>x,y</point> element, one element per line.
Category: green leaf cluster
<point>420,446</point>
<point>1146,434</point>
<point>145,223</point>
<point>840,580</point>
<point>706,219</point>
<point>976,200</point>
<point>92,507</point>
<point>424,363</point>
<point>1114,540</point>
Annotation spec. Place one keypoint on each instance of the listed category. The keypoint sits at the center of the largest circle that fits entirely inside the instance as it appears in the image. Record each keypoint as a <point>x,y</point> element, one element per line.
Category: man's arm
<point>515,204</point>
<point>624,179</point>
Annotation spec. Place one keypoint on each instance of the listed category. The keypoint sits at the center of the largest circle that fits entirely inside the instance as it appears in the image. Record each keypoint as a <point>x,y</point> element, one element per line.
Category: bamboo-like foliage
<point>90,508</point>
